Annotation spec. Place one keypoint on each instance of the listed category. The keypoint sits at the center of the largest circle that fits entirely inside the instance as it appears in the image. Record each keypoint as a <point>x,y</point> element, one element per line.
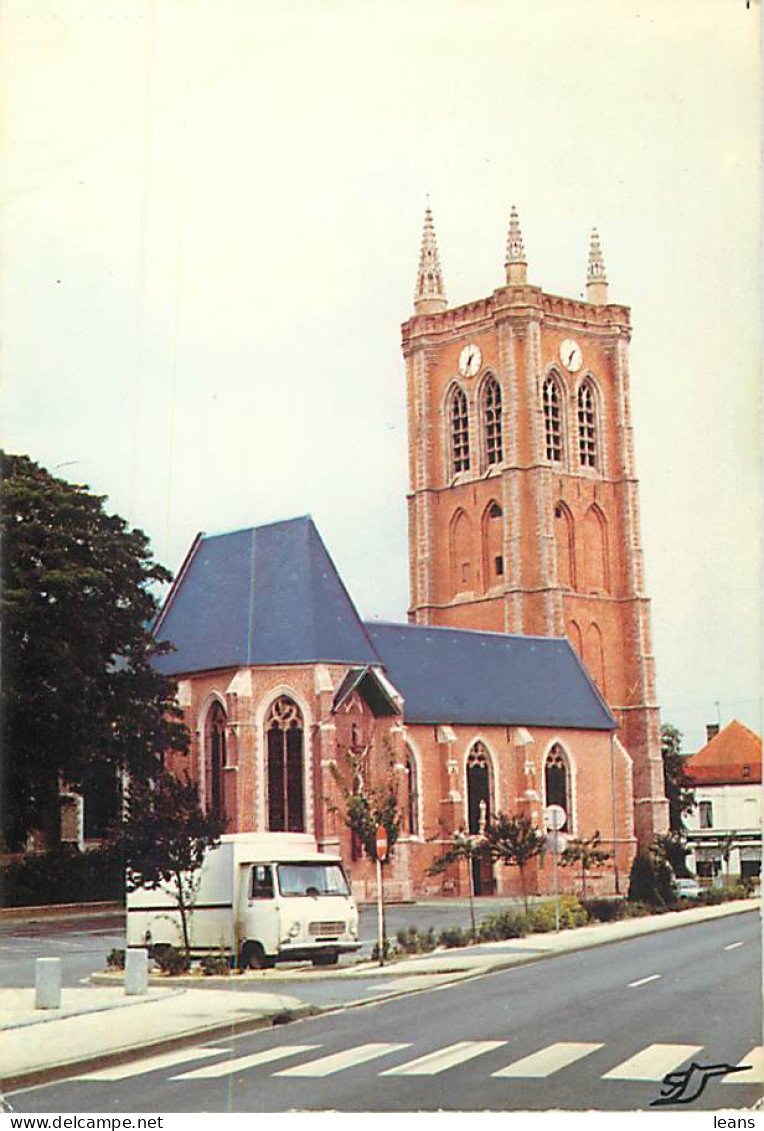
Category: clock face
<point>469,361</point>
<point>571,356</point>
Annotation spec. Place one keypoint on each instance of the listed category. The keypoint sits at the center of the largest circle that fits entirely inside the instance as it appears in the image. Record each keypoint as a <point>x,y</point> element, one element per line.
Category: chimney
<point>712,729</point>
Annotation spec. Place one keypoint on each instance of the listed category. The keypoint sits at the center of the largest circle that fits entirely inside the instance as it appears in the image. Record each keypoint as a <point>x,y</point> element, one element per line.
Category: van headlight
<point>294,930</point>
<point>353,930</point>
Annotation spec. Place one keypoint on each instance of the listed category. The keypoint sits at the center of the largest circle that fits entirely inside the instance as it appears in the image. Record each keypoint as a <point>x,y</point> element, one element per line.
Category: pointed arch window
<point>460,432</point>
<point>494,448</point>
<point>285,735</point>
<point>552,404</point>
<point>556,781</point>
<point>587,426</point>
<point>411,812</point>
<point>215,758</point>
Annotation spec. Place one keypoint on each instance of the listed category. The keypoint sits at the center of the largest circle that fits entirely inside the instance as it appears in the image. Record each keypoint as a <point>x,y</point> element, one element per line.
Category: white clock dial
<point>571,356</point>
<point>469,361</point>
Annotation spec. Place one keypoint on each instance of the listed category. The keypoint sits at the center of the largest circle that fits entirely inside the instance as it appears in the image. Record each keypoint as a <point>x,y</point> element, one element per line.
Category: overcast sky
<point>210,230</point>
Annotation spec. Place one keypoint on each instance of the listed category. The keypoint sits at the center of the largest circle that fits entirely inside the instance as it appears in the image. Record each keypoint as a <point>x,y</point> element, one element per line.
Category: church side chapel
<point>524,676</point>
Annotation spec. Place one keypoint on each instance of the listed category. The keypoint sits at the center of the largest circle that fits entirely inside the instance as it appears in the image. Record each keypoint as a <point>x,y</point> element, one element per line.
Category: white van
<point>262,897</point>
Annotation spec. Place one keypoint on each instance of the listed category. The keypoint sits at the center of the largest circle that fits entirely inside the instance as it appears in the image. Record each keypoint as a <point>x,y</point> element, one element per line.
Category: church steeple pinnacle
<point>515,263</point>
<point>596,277</point>
<point>430,293</point>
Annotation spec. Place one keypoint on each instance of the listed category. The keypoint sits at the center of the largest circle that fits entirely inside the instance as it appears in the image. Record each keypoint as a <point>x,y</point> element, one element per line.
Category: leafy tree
<point>163,838</point>
<point>81,702</point>
<point>677,784</point>
<point>367,803</point>
<point>652,880</point>
<point>673,848</point>
<point>514,840</point>
<point>463,846</point>
<point>587,853</point>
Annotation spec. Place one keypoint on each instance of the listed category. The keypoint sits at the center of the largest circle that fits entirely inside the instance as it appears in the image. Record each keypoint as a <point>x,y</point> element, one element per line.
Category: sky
<point>210,226</point>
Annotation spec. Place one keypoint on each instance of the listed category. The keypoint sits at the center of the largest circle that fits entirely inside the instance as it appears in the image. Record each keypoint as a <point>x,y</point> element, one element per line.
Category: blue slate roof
<point>450,675</point>
<point>269,595</point>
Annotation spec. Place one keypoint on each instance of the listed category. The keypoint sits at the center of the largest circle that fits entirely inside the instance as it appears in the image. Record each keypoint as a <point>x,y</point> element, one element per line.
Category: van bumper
<point>302,953</point>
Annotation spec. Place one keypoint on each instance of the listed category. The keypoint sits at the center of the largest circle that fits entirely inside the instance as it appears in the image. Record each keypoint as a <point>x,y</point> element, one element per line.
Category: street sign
<point>555,817</point>
<point>556,842</point>
<point>381,842</point>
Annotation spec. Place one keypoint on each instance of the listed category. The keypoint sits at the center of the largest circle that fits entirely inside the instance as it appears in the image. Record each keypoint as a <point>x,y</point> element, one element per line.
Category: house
<point>724,828</point>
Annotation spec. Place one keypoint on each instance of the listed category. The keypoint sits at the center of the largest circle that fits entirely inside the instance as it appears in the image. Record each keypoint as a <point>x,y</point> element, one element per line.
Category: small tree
<point>677,784</point>
<point>652,880</point>
<point>366,803</point>
<point>673,847</point>
<point>514,840</point>
<point>463,846</point>
<point>163,838</point>
<point>587,853</point>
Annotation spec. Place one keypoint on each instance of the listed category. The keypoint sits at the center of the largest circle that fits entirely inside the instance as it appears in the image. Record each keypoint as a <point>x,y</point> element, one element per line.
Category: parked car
<point>688,888</point>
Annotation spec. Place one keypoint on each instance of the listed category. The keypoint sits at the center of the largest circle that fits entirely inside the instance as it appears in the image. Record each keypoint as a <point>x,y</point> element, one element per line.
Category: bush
<point>503,925</point>
<point>215,964</point>
<point>390,950</point>
<point>604,910</point>
<point>115,959</point>
<point>652,882</point>
<point>451,937</point>
<point>172,961</point>
<point>413,941</point>
<point>541,918</point>
<point>64,876</point>
<point>712,896</point>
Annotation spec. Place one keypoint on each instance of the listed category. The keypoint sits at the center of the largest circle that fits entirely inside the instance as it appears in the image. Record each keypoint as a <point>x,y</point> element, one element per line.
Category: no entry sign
<point>381,842</point>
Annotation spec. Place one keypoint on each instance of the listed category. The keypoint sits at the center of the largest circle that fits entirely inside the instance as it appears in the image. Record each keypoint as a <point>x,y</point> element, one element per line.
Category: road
<point>82,944</point>
<point>594,1029</point>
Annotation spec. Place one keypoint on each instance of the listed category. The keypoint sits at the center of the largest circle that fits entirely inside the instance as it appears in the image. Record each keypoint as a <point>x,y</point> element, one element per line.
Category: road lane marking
<point>643,981</point>
<point>652,1063</point>
<point>326,1065</point>
<point>549,1060</point>
<point>151,1064</point>
<point>733,946</point>
<point>435,1062</point>
<point>241,1063</point>
<point>755,1075</point>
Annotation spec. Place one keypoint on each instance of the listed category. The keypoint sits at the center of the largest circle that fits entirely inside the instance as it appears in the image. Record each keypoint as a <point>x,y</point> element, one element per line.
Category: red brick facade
<point>525,518</point>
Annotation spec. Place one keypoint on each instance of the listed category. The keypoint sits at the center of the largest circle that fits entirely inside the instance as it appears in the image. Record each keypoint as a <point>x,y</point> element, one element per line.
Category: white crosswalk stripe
<point>652,1063</point>
<point>755,1074</point>
<point>326,1065</point>
<point>242,1063</point>
<point>548,1060</point>
<point>435,1062</point>
<point>151,1064</point>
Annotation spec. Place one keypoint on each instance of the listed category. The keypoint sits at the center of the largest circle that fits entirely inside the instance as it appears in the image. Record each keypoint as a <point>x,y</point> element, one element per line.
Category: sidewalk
<point>39,1045</point>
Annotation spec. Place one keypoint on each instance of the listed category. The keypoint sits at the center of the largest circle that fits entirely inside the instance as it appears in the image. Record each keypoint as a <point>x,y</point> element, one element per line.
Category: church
<point>524,675</point>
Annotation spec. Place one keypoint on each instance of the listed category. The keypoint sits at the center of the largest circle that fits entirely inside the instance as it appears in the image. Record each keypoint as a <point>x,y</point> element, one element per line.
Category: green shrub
<point>64,876</point>
<point>172,961</point>
<point>652,882</point>
<point>215,964</point>
<point>412,941</point>
<point>503,925</point>
<point>712,896</point>
<point>541,917</point>
<point>604,910</point>
<point>390,950</point>
<point>451,937</point>
<point>115,959</point>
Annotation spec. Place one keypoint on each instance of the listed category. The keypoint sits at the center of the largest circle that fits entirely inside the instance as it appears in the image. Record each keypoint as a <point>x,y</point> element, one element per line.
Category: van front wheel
<point>253,957</point>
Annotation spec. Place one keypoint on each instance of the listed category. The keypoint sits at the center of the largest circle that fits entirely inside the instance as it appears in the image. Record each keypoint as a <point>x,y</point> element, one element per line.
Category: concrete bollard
<point>47,983</point>
<point>136,971</point>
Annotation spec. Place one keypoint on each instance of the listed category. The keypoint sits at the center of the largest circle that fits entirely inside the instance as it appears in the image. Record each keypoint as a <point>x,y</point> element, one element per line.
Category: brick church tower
<point>524,502</point>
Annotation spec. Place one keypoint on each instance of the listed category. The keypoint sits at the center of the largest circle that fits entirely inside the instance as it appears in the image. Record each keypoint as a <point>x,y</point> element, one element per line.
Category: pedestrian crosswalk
<point>646,1065</point>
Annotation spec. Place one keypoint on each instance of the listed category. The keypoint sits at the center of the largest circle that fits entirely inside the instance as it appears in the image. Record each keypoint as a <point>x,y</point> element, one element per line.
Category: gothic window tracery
<point>285,735</point>
<point>587,426</point>
<point>556,781</point>
<point>552,405</point>
<point>494,448</point>
<point>215,758</point>
<point>460,432</point>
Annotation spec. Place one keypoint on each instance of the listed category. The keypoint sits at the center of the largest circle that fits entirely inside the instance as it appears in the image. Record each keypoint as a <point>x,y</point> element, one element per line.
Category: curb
<point>66,1070</point>
<point>44,912</point>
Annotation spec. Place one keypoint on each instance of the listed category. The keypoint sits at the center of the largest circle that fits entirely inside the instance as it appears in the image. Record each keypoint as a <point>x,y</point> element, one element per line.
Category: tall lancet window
<point>494,452</point>
<point>215,758</point>
<point>460,432</point>
<point>284,728</point>
<point>587,426</point>
<point>552,420</point>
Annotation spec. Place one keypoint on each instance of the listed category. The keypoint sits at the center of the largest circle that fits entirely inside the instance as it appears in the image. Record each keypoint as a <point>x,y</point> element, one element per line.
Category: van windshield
<point>312,879</point>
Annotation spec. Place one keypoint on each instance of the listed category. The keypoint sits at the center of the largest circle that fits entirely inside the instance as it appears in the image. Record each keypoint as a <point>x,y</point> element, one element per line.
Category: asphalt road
<point>82,944</point>
<point>602,1028</point>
